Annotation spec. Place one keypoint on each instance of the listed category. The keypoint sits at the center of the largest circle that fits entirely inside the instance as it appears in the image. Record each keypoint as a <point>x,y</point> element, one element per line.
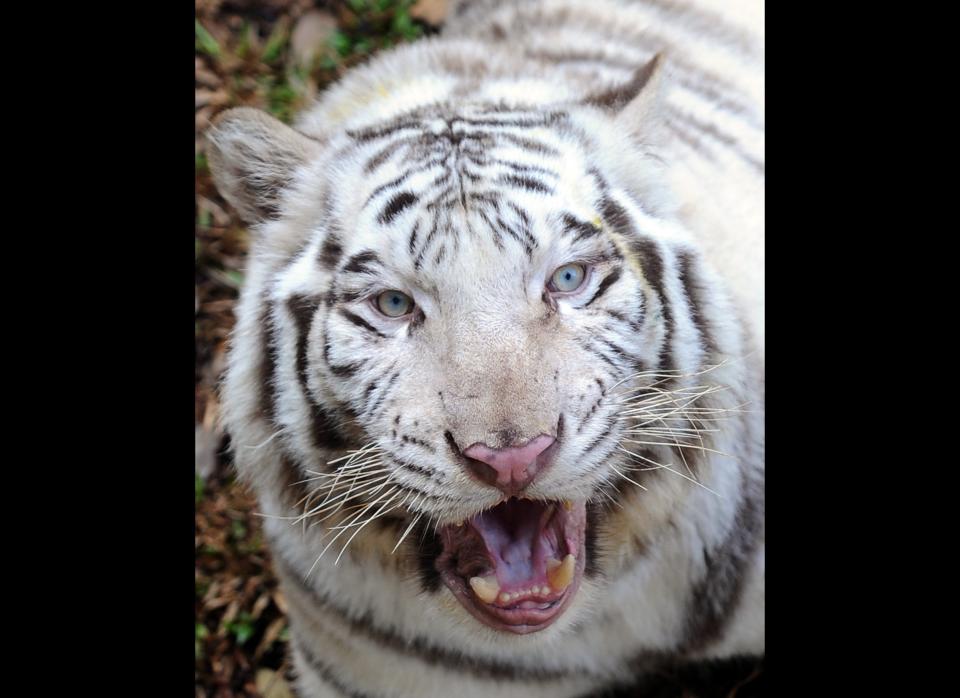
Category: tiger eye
<point>394,303</point>
<point>568,278</point>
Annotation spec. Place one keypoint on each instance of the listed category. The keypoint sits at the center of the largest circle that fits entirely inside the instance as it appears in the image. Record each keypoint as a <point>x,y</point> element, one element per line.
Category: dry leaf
<point>260,604</point>
<point>430,11</point>
<point>206,442</point>
<point>311,35</point>
<point>281,602</point>
<point>202,98</point>
<point>269,636</point>
<point>271,685</point>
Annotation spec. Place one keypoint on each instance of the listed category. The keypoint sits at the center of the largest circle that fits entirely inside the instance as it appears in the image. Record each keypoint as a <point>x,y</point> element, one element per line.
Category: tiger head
<point>449,317</point>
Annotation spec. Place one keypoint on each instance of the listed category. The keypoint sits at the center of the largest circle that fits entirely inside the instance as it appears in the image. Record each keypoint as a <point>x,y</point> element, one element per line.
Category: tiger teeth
<point>486,588</point>
<point>568,505</point>
<point>560,574</point>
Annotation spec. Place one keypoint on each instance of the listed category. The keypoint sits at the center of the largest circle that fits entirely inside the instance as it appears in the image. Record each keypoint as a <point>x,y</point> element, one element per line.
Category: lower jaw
<point>520,621</point>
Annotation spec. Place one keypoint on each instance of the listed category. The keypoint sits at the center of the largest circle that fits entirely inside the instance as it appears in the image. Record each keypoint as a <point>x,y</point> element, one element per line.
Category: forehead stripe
<point>396,204</point>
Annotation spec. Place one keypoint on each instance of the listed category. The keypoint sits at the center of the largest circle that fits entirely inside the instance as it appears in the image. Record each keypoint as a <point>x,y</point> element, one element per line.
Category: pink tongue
<point>518,540</point>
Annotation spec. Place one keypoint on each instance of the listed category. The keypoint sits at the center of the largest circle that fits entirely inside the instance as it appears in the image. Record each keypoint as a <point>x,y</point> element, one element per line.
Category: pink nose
<point>509,469</point>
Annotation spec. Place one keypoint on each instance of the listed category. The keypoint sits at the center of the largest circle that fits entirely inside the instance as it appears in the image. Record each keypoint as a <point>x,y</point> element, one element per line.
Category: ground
<point>275,55</point>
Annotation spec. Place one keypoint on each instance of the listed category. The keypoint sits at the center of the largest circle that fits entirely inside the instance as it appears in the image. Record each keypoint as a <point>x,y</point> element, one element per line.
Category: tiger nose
<point>509,469</point>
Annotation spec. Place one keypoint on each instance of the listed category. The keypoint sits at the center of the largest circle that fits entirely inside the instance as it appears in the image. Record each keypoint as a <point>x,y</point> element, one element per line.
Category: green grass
<point>204,42</point>
<point>241,627</point>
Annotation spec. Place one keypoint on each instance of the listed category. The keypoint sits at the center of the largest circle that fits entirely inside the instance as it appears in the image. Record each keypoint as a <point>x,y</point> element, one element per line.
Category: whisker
<point>360,528</point>
<point>409,528</point>
<point>621,474</point>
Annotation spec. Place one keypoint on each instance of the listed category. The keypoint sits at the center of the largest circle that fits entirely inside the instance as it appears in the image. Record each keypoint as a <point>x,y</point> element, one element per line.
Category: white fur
<point>482,323</point>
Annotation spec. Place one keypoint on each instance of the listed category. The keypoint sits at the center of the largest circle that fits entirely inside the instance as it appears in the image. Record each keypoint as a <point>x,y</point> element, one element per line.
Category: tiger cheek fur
<point>465,194</point>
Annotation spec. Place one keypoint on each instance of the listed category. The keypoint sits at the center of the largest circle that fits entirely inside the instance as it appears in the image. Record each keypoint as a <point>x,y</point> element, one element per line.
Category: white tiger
<point>503,418</point>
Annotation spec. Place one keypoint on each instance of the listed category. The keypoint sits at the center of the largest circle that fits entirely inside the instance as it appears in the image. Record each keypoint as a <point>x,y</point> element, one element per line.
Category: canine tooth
<point>486,588</point>
<point>561,575</point>
<point>568,505</point>
<point>552,563</point>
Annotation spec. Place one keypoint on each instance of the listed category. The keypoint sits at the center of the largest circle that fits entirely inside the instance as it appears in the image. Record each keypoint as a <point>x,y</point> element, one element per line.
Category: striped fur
<point>463,170</point>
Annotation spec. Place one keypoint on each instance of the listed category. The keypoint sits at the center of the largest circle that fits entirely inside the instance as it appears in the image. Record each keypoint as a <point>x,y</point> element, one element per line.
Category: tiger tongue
<point>520,537</point>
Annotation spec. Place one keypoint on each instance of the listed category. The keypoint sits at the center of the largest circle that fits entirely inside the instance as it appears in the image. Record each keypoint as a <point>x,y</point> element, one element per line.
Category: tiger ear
<point>253,158</point>
<point>636,103</point>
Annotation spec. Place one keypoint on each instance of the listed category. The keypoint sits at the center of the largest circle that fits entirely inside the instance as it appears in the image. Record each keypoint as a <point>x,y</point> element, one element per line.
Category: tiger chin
<point>496,378</point>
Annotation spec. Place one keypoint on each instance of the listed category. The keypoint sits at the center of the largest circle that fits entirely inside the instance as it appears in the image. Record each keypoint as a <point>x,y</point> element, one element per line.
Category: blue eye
<point>568,278</point>
<point>394,303</point>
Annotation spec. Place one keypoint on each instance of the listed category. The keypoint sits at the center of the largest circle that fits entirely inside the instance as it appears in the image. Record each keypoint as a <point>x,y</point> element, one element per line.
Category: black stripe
<point>619,351</point>
<point>530,144</point>
<point>418,648</point>
<point>413,235</point>
<point>580,229</point>
<point>591,568</point>
<point>607,282</point>
<point>343,371</point>
<point>429,548</point>
<point>331,251</point>
<point>707,24</point>
<point>292,487</point>
<point>714,599</point>
<point>531,243</point>
<point>396,204</point>
<point>384,154</point>
<point>303,309</point>
<point>497,239</point>
<point>360,262</point>
<point>417,442</point>
<point>442,200</point>
<point>419,470</point>
<point>384,392</point>
<point>268,362</point>
<point>325,672</point>
<point>603,357</point>
<point>421,167</point>
<point>440,255</point>
<point>572,56</point>
<point>675,115</point>
<point>426,243</point>
<point>533,120</point>
<point>360,322</point>
<point>528,183</point>
<point>518,167</point>
<point>504,226</point>
<point>618,97</point>
<point>694,143</point>
<point>596,442</point>
<point>652,262</point>
<point>377,132</point>
<point>686,271</point>
<point>324,432</point>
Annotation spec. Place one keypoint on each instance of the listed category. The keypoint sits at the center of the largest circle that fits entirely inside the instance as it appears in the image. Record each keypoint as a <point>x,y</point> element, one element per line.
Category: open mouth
<point>517,566</point>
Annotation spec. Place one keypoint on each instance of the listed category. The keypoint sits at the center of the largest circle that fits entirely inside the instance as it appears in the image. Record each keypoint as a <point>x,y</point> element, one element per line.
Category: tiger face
<point>453,335</point>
